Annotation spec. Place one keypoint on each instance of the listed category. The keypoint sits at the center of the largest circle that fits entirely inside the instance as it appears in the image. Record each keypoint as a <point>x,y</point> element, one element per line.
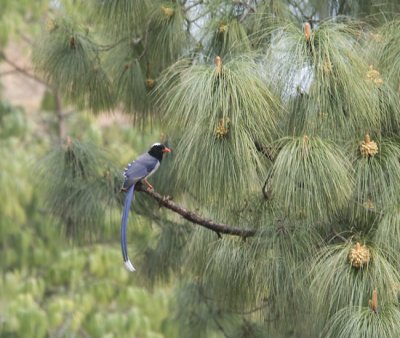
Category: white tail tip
<point>128,266</point>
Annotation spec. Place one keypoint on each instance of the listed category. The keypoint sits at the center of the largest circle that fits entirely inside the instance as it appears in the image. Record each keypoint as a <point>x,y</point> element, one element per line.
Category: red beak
<point>166,150</point>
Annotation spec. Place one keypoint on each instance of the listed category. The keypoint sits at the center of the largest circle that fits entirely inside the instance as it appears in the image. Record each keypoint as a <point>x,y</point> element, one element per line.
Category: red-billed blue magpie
<point>138,170</point>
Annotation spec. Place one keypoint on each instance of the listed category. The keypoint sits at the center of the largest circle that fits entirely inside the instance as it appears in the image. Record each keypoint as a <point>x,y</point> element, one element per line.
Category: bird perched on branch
<point>137,171</point>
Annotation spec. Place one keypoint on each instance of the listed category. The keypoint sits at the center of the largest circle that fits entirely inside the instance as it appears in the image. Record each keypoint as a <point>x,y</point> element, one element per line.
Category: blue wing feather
<point>139,169</point>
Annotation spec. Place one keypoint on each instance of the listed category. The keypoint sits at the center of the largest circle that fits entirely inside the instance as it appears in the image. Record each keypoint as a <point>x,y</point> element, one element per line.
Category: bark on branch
<point>219,228</point>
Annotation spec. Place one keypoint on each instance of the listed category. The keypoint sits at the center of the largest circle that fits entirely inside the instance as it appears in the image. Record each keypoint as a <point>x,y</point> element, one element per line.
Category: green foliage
<point>47,288</point>
<point>167,257</point>
<point>383,54</point>
<point>130,82</point>
<point>387,47</point>
<point>263,271</point>
<point>268,138</point>
<point>195,316</point>
<point>79,181</point>
<point>77,293</point>
<point>377,178</point>
<point>388,229</point>
<point>220,114</point>
<point>311,178</point>
<point>363,322</point>
<point>329,73</point>
<point>68,58</point>
<point>229,36</point>
<point>166,30</point>
<point>127,15</point>
<point>15,191</point>
<point>336,283</point>
<point>12,121</point>
<point>13,17</point>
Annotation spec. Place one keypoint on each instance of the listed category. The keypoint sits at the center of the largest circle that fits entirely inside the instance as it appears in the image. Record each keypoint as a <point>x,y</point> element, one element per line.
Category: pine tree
<point>284,120</point>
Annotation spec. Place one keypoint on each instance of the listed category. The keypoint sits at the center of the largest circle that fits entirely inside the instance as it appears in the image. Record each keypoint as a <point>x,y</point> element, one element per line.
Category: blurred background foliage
<point>291,131</point>
<point>50,286</point>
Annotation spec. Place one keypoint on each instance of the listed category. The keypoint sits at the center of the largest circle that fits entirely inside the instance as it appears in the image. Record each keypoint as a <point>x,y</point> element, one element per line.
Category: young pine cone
<point>368,148</point>
<point>359,255</point>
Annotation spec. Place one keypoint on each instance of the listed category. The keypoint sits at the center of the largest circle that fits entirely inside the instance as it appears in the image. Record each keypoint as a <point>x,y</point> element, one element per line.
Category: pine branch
<point>21,70</point>
<point>247,9</point>
<point>105,48</point>
<point>201,15</point>
<point>219,228</point>
<point>61,126</point>
<point>194,4</point>
<point>8,72</point>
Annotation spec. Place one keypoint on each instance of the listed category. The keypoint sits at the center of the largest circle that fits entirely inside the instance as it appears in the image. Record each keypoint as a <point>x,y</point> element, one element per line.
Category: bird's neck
<point>157,155</point>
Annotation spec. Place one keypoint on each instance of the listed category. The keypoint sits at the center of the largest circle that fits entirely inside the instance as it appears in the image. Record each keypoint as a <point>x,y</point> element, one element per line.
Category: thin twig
<point>105,48</point>
<point>250,311</point>
<point>267,193</point>
<point>267,151</point>
<point>199,16</point>
<point>146,36</point>
<point>22,70</point>
<point>61,126</point>
<point>338,235</point>
<point>246,11</point>
<point>211,310</point>
<point>84,333</point>
<point>24,37</point>
<point>188,8</point>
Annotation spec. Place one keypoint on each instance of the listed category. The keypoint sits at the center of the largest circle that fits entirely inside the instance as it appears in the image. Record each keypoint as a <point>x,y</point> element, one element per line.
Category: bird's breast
<point>154,169</point>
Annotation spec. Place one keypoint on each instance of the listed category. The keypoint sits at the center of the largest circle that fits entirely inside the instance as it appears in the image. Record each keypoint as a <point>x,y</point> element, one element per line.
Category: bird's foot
<point>149,186</point>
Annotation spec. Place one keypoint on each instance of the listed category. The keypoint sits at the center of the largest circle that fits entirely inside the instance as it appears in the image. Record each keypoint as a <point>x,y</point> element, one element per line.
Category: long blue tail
<point>128,201</point>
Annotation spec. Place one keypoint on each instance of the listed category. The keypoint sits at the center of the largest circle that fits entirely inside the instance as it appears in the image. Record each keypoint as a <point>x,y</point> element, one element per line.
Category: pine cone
<point>51,25</point>
<point>218,64</point>
<point>373,302</point>
<point>374,76</point>
<point>167,11</point>
<point>369,205</point>
<point>223,128</point>
<point>368,147</point>
<point>150,83</point>
<point>377,37</point>
<point>307,31</point>
<point>222,28</point>
<point>72,42</point>
<point>359,255</point>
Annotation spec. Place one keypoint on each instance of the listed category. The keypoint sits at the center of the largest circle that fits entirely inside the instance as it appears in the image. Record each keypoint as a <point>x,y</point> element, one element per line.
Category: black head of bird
<point>157,150</point>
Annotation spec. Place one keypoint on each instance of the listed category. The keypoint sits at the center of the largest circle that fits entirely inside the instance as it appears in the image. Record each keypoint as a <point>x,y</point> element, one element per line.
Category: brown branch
<point>219,228</point>
<point>267,193</point>
<point>105,48</point>
<point>84,333</point>
<point>146,38</point>
<point>247,9</point>
<point>267,151</point>
<point>61,126</point>
<point>8,72</point>
<point>206,12</point>
<point>22,70</point>
<point>24,37</point>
